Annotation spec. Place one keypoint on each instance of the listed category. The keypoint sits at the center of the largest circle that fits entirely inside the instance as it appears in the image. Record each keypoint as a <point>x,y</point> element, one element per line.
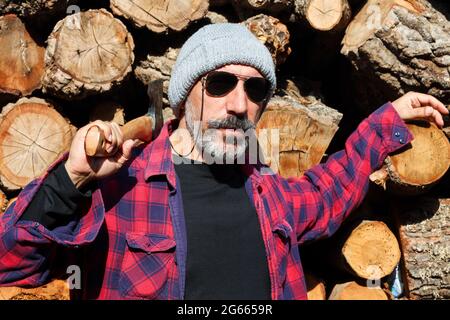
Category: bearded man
<point>188,216</point>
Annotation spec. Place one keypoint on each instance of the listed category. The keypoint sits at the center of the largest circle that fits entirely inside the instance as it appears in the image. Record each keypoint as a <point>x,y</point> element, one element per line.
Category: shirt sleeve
<point>57,201</point>
<point>29,251</point>
<point>328,192</point>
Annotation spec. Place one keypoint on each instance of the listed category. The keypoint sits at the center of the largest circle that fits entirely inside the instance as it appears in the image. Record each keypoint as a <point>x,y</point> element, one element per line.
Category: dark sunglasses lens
<point>220,83</point>
<point>257,89</point>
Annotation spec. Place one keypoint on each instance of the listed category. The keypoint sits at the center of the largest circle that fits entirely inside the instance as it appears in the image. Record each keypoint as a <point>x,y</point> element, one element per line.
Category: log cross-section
<point>35,9</point>
<point>371,250</point>
<point>400,46</point>
<point>160,15</point>
<point>32,136</point>
<point>324,15</point>
<point>87,53</point>
<point>21,59</point>
<point>354,291</point>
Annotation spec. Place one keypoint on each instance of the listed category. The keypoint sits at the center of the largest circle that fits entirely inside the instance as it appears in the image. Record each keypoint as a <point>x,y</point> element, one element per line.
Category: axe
<point>145,128</point>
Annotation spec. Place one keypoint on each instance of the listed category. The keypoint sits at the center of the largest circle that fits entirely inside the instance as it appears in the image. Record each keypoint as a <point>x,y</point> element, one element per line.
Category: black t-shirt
<point>226,257</point>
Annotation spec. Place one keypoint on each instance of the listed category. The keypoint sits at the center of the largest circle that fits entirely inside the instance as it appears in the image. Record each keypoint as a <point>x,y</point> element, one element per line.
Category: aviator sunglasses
<point>220,83</point>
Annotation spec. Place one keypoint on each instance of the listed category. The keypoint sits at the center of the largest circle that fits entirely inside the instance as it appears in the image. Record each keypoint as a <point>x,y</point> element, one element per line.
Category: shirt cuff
<point>390,127</point>
<point>67,186</point>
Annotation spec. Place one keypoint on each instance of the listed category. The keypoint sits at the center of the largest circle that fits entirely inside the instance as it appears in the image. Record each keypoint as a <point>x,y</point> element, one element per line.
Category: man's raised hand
<point>82,168</point>
<point>415,105</point>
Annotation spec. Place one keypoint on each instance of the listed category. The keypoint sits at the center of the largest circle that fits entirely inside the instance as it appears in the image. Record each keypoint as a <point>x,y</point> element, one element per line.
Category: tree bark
<point>329,15</point>
<point>398,46</point>
<point>32,136</point>
<point>417,168</point>
<point>371,251</point>
<point>294,135</point>
<point>162,15</point>
<point>87,53</point>
<point>21,59</point>
<point>33,8</point>
<point>273,34</point>
<point>424,228</point>
<point>354,291</point>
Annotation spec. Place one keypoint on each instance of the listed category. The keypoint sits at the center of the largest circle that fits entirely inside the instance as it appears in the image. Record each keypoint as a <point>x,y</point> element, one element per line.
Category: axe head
<point>155,95</point>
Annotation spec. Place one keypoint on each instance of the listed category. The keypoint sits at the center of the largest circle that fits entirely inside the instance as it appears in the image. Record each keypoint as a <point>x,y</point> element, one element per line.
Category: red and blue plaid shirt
<point>131,243</point>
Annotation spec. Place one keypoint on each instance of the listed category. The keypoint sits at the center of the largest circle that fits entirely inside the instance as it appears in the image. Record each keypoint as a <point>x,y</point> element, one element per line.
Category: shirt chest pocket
<point>148,266</point>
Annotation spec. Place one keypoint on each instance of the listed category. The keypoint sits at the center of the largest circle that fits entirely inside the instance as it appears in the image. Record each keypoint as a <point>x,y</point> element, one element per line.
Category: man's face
<point>225,118</point>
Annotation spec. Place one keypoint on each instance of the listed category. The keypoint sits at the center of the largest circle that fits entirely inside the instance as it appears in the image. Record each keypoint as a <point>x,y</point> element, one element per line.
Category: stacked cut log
<point>32,135</point>
<point>157,67</point>
<point>302,126</point>
<point>398,46</point>
<point>160,16</point>
<point>331,15</point>
<point>269,31</point>
<point>371,251</point>
<point>424,228</point>
<point>33,8</point>
<point>294,135</point>
<point>87,53</point>
<point>21,59</point>
<point>315,286</point>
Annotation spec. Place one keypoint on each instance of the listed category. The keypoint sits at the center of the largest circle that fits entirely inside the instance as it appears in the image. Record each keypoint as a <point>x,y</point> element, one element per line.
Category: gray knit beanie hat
<point>212,47</point>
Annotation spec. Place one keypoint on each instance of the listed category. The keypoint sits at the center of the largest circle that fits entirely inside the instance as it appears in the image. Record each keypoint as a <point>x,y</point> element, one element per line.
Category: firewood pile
<point>64,63</point>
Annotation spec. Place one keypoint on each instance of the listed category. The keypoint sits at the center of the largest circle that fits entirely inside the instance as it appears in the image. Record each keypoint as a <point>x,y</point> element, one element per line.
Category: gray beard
<point>211,145</point>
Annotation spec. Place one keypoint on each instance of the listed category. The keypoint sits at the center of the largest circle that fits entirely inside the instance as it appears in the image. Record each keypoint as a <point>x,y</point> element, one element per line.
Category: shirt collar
<point>159,154</point>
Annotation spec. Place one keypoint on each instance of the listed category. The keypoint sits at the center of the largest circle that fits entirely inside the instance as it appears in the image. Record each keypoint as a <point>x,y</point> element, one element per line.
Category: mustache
<point>231,122</point>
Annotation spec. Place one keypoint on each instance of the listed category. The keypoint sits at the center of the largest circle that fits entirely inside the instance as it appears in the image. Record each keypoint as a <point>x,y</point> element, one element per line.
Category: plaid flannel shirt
<point>131,243</point>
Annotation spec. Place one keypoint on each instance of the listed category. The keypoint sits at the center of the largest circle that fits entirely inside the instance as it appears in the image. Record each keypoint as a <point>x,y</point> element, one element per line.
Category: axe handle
<point>139,128</point>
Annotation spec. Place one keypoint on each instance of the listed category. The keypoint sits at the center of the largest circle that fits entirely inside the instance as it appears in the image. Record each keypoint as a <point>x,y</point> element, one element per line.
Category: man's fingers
<point>127,147</point>
<point>438,118</point>
<point>124,153</point>
<point>428,113</point>
<point>117,133</point>
<point>111,132</point>
<point>103,126</point>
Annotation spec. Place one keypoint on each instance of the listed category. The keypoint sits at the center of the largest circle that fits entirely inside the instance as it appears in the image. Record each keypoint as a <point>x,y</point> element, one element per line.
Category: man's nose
<point>237,101</point>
